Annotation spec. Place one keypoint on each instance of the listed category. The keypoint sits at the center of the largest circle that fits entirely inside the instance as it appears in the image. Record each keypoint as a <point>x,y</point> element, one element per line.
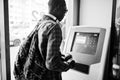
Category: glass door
<point>23,16</point>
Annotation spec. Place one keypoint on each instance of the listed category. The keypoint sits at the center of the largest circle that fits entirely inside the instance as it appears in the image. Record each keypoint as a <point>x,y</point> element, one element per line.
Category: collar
<point>53,17</point>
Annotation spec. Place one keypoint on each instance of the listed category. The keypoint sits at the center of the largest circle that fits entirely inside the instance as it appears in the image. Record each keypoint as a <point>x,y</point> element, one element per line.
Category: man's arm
<point>54,58</point>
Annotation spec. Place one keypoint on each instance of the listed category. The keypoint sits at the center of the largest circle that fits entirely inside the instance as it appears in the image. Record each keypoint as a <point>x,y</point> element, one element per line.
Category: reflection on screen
<point>85,43</point>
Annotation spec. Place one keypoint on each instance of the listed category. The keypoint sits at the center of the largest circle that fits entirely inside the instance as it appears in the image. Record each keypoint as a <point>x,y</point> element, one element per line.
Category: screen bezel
<point>81,57</point>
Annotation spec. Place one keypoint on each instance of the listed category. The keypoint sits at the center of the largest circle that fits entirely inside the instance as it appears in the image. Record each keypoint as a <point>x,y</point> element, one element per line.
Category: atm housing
<point>86,46</point>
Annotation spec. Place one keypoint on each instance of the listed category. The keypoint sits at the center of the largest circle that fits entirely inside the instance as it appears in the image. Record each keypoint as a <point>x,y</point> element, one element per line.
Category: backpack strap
<point>43,23</point>
<point>39,25</point>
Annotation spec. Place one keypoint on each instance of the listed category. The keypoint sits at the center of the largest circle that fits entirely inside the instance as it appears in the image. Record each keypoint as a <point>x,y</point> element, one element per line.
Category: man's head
<point>57,8</point>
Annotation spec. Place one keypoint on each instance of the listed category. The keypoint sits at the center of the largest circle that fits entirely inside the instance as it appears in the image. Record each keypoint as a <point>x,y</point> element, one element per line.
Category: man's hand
<point>68,57</point>
<point>72,64</point>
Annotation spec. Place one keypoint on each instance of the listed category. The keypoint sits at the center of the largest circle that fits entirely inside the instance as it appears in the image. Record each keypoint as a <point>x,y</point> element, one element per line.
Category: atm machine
<point>89,47</point>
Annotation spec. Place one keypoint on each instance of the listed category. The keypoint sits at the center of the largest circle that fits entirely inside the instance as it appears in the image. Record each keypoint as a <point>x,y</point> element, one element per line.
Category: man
<point>50,37</point>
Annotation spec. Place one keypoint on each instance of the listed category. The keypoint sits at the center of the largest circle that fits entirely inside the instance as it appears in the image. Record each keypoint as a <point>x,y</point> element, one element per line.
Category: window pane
<point>23,16</point>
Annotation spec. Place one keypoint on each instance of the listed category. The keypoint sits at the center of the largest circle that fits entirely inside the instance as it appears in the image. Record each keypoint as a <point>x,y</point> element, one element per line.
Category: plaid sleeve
<point>53,59</point>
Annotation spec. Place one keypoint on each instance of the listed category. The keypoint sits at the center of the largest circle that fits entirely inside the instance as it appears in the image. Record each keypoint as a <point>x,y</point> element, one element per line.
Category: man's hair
<point>55,5</point>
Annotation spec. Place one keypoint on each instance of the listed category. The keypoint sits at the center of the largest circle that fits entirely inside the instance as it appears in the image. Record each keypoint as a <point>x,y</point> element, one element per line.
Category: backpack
<point>30,63</point>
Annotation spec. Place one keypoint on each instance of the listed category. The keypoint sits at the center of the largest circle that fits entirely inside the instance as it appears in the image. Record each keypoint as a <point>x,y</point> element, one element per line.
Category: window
<point>23,16</point>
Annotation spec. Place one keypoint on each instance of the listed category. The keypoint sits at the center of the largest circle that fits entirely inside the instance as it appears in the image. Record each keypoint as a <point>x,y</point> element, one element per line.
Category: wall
<point>93,13</point>
<point>96,12</point>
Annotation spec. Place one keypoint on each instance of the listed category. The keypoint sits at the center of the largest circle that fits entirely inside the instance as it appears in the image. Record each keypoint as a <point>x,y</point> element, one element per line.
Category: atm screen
<point>85,43</point>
